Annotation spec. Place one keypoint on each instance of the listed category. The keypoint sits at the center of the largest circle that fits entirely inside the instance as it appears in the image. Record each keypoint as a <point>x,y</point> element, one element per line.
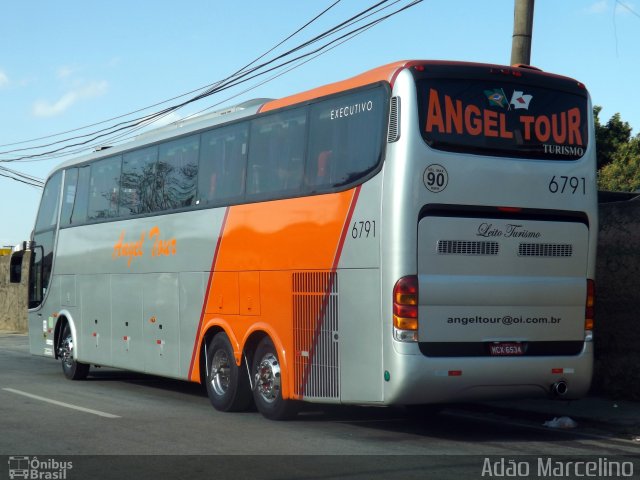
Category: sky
<point>65,65</point>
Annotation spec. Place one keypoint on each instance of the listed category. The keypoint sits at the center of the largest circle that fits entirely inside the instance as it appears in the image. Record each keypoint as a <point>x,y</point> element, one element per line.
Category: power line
<point>230,81</point>
<point>21,181</point>
<point>125,136</point>
<point>618,2</point>
<point>241,76</point>
<point>162,102</point>
<point>24,175</point>
<point>21,177</point>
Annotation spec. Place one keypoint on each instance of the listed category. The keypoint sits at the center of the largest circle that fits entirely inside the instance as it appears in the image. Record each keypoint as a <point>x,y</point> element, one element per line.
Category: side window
<point>223,160</point>
<point>68,195</point>
<point>48,212</point>
<point>178,172</point>
<point>346,138</point>
<point>276,153</point>
<point>140,190</point>
<point>44,237</point>
<point>80,206</point>
<point>104,188</point>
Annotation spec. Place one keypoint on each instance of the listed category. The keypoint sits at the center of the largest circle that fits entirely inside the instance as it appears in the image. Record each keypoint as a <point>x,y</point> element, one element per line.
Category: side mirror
<point>15,267</point>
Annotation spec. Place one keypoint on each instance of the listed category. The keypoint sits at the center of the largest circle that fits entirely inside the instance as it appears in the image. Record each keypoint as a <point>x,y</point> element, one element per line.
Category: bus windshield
<point>504,117</point>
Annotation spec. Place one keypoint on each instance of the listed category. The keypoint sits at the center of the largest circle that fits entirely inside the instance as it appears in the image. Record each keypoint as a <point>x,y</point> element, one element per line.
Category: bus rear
<point>488,255</point>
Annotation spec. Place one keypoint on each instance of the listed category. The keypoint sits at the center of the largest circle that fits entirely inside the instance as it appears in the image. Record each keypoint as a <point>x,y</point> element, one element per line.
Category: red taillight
<point>590,305</point>
<point>405,303</point>
<point>405,291</point>
<point>408,311</point>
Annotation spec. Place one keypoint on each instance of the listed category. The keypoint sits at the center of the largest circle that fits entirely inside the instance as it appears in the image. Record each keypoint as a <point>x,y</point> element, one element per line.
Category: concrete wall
<point>617,321</point>
<point>13,297</point>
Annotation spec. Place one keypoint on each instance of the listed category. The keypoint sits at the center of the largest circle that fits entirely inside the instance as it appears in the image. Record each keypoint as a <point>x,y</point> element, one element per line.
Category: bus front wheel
<point>71,368</point>
<point>267,391</point>
<point>227,384</point>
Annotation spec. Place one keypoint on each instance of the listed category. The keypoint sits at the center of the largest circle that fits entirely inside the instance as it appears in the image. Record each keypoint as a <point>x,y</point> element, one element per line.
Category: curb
<point>548,410</point>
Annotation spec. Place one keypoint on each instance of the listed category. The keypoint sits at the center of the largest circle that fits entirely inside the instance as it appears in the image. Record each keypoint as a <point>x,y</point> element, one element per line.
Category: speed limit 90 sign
<point>435,178</point>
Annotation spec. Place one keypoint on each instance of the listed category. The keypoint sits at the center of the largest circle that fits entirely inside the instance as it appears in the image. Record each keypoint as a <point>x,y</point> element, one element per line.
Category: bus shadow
<point>146,380</point>
<point>473,423</point>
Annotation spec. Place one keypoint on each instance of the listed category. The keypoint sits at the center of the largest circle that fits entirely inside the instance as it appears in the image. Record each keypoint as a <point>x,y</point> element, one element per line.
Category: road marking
<point>61,404</point>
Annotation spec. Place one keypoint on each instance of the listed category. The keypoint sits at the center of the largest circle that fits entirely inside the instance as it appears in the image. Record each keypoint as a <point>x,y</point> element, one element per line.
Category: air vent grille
<point>465,247</point>
<point>315,331</point>
<point>394,121</point>
<point>545,250</point>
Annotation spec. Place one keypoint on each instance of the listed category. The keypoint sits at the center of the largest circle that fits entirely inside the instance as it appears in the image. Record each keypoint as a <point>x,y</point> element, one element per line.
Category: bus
<point>422,233</point>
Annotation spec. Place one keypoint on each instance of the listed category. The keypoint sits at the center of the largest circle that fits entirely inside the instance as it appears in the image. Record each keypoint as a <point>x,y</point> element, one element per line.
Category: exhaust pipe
<point>559,389</point>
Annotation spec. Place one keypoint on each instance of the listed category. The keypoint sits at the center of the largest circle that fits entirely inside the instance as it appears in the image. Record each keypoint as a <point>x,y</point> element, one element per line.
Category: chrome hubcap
<point>220,371</point>
<point>268,378</point>
<point>66,351</point>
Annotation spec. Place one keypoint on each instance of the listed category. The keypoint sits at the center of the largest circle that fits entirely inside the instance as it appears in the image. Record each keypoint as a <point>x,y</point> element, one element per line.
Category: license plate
<point>506,349</point>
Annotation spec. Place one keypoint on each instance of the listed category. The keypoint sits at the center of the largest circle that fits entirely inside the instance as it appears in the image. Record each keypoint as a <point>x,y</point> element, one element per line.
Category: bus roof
<point>386,73</point>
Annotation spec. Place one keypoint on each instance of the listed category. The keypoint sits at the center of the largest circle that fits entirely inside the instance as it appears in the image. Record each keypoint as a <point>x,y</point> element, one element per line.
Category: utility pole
<point>522,32</point>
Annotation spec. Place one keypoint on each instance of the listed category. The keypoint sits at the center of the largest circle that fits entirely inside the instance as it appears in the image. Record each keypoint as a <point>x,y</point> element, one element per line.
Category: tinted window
<point>48,212</point>
<point>276,153</point>
<point>140,187</point>
<point>44,238</point>
<point>68,195</point>
<point>178,171</point>
<point>223,163</point>
<point>104,188</point>
<point>346,135</point>
<point>80,206</point>
<point>271,156</point>
<point>498,117</point>
<point>41,267</point>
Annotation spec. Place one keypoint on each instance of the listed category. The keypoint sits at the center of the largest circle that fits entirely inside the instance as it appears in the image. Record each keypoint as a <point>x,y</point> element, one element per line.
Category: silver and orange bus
<point>422,233</point>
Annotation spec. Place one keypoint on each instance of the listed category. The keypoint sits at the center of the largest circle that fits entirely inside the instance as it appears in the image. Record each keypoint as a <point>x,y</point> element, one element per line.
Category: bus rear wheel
<point>227,384</point>
<point>71,368</point>
<point>267,391</point>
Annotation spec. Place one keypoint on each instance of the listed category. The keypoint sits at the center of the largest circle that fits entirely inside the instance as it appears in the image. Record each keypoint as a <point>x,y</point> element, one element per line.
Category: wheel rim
<point>268,378</point>
<point>66,351</point>
<point>220,371</point>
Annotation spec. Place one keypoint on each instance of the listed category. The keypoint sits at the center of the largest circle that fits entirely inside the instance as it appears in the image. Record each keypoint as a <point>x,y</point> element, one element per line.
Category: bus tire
<point>71,368</point>
<point>227,384</point>
<point>267,391</point>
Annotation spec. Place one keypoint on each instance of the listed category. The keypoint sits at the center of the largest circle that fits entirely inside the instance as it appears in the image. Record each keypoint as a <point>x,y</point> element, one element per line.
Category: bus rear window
<point>503,118</point>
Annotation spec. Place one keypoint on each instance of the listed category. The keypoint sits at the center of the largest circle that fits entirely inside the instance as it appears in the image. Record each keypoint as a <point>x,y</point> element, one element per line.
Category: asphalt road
<point>164,425</point>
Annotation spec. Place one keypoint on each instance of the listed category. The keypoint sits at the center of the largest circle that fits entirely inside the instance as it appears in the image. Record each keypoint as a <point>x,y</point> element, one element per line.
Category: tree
<point>618,154</point>
<point>622,174</point>
<point>609,137</point>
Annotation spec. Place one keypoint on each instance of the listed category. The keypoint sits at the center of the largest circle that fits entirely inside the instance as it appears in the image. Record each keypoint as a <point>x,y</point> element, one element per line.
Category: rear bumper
<point>415,378</point>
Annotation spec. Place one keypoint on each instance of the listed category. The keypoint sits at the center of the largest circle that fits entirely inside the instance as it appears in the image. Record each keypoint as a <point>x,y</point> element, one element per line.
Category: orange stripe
<point>327,293</point>
<point>272,239</point>
<point>345,228</point>
<point>196,346</point>
<point>386,73</point>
